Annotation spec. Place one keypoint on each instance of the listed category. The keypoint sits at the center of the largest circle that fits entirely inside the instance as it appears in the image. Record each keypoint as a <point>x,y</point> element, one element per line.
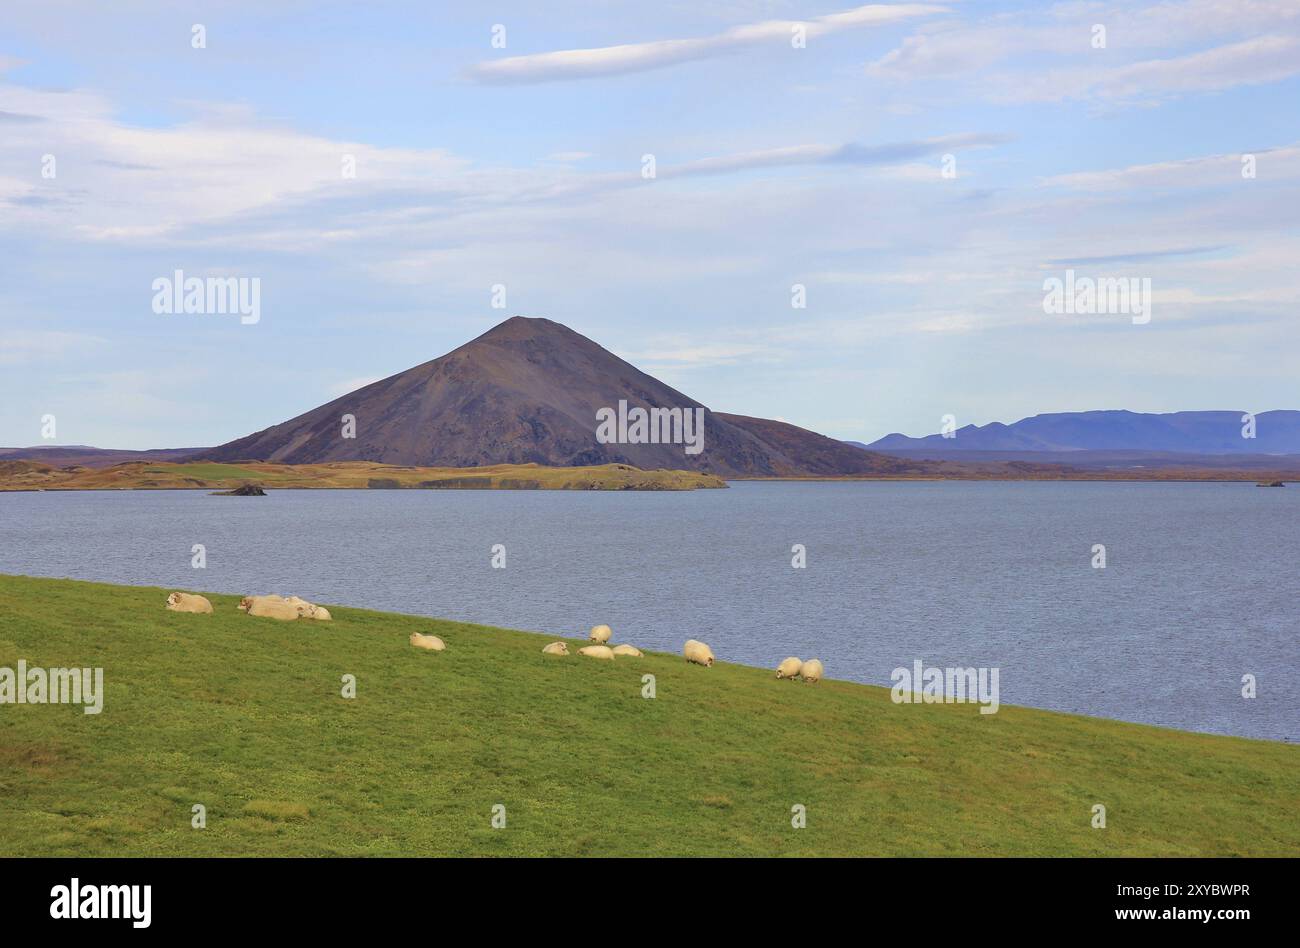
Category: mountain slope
<point>1185,432</point>
<point>527,391</point>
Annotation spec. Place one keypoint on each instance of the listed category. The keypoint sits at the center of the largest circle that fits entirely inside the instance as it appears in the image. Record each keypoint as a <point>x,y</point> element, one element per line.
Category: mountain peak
<point>530,390</point>
<point>527,327</point>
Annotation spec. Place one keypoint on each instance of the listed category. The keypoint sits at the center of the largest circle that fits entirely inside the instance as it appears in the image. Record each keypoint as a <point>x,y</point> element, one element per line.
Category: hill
<point>1182,432</point>
<point>81,455</point>
<point>245,717</point>
<point>528,391</point>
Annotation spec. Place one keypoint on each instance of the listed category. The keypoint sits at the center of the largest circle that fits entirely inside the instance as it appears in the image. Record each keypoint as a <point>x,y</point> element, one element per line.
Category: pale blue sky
<point>521,166</point>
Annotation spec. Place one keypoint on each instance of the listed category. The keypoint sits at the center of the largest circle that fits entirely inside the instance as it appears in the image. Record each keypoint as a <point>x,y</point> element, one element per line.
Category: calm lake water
<point>1200,586</point>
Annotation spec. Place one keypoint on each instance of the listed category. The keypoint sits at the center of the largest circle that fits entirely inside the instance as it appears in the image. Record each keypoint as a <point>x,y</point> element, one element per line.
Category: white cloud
<point>1048,54</point>
<point>851,154</point>
<point>1249,62</point>
<point>131,182</point>
<point>1208,171</point>
<point>637,57</point>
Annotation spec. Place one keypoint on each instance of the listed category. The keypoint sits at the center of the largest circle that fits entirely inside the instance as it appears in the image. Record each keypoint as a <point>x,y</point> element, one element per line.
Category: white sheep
<point>270,607</point>
<point>600,634</point>
<point>185,602</point>
<point>789,668</point>
<point>812,670</point>
<point>698,652</point>
<point>597,651</point>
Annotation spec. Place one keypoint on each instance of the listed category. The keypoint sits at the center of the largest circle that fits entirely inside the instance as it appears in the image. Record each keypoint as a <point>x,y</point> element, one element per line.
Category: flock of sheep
<point>285,608</point>
<point>695,651</point>
<point>289,608</point>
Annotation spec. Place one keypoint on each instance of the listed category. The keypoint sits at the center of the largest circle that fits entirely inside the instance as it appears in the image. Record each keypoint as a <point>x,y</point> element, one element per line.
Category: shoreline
<point>551,636</point>
<point>340,738</point>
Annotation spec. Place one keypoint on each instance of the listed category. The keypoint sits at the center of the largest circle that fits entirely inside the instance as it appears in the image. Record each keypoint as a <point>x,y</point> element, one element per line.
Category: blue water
<point>1200,586</point>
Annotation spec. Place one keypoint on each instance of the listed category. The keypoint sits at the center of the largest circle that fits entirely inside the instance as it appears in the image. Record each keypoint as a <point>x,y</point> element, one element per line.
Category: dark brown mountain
<point>528,390</point>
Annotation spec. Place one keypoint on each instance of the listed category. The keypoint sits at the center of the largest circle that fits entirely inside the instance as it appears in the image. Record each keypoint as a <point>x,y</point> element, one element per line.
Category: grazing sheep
<point>600,634</point>
<point>597,651</point>
<point>430,642</point>
<point>631,651</point>
<point>698,652</point>
<point>812,670</point>
<point>556,648</point>
<point>789,668</point>
<point>185,602</point>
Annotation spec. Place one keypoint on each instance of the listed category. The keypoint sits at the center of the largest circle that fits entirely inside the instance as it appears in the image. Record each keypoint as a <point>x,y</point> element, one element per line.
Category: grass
<point>206,471</point>
<point>245,717</point>
<point>204,475</point>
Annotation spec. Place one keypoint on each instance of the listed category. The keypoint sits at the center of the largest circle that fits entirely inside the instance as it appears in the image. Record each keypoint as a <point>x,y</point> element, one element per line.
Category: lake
<point>1199,588</point>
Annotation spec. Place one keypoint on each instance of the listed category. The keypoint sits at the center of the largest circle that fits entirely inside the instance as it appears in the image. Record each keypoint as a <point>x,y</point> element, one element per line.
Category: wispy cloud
<point>1210,170</point>
<point>1046,55</point>
<point>18,346</point>
<point>637,57</point>
<point>1249,62</point>
<point>849,154</point>
<point>1138,256</point>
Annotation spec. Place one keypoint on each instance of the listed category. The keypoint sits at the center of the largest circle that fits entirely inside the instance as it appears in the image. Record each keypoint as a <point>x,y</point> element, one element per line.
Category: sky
<point>920,170</point>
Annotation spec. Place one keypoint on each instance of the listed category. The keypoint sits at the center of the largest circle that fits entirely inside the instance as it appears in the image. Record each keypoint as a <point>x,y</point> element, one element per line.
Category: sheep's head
<point>173,599</point>
<point>245,603</point>
<point>708,662</point>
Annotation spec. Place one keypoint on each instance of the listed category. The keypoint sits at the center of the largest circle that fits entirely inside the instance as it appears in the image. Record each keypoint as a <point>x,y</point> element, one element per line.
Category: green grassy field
<point>245,716</point>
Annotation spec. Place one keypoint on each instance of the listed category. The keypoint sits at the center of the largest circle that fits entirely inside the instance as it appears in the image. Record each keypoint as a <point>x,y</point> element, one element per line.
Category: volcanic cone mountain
<point>528,390</point>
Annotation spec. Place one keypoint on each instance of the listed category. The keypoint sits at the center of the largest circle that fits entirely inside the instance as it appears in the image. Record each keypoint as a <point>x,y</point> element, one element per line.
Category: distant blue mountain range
<point>1183,432</point>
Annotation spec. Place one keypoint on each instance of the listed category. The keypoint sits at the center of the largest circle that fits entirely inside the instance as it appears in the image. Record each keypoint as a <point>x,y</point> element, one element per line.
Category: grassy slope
<point>244,715</point>
<point>138,475</point>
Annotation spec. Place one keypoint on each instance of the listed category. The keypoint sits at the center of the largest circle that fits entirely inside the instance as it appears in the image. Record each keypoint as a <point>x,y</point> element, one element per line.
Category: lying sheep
<point>789,668</point>
<point>270,607</point>
<point>631,651</point>
<point>309,610</point>
<point>812,670</point>
<point>600,634</point>
<point>430,642</point>
<point>556,648</point>
<point>698,652</point>
<point>597,651</point>
<point>185,602</point>
<point>283,608</point>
